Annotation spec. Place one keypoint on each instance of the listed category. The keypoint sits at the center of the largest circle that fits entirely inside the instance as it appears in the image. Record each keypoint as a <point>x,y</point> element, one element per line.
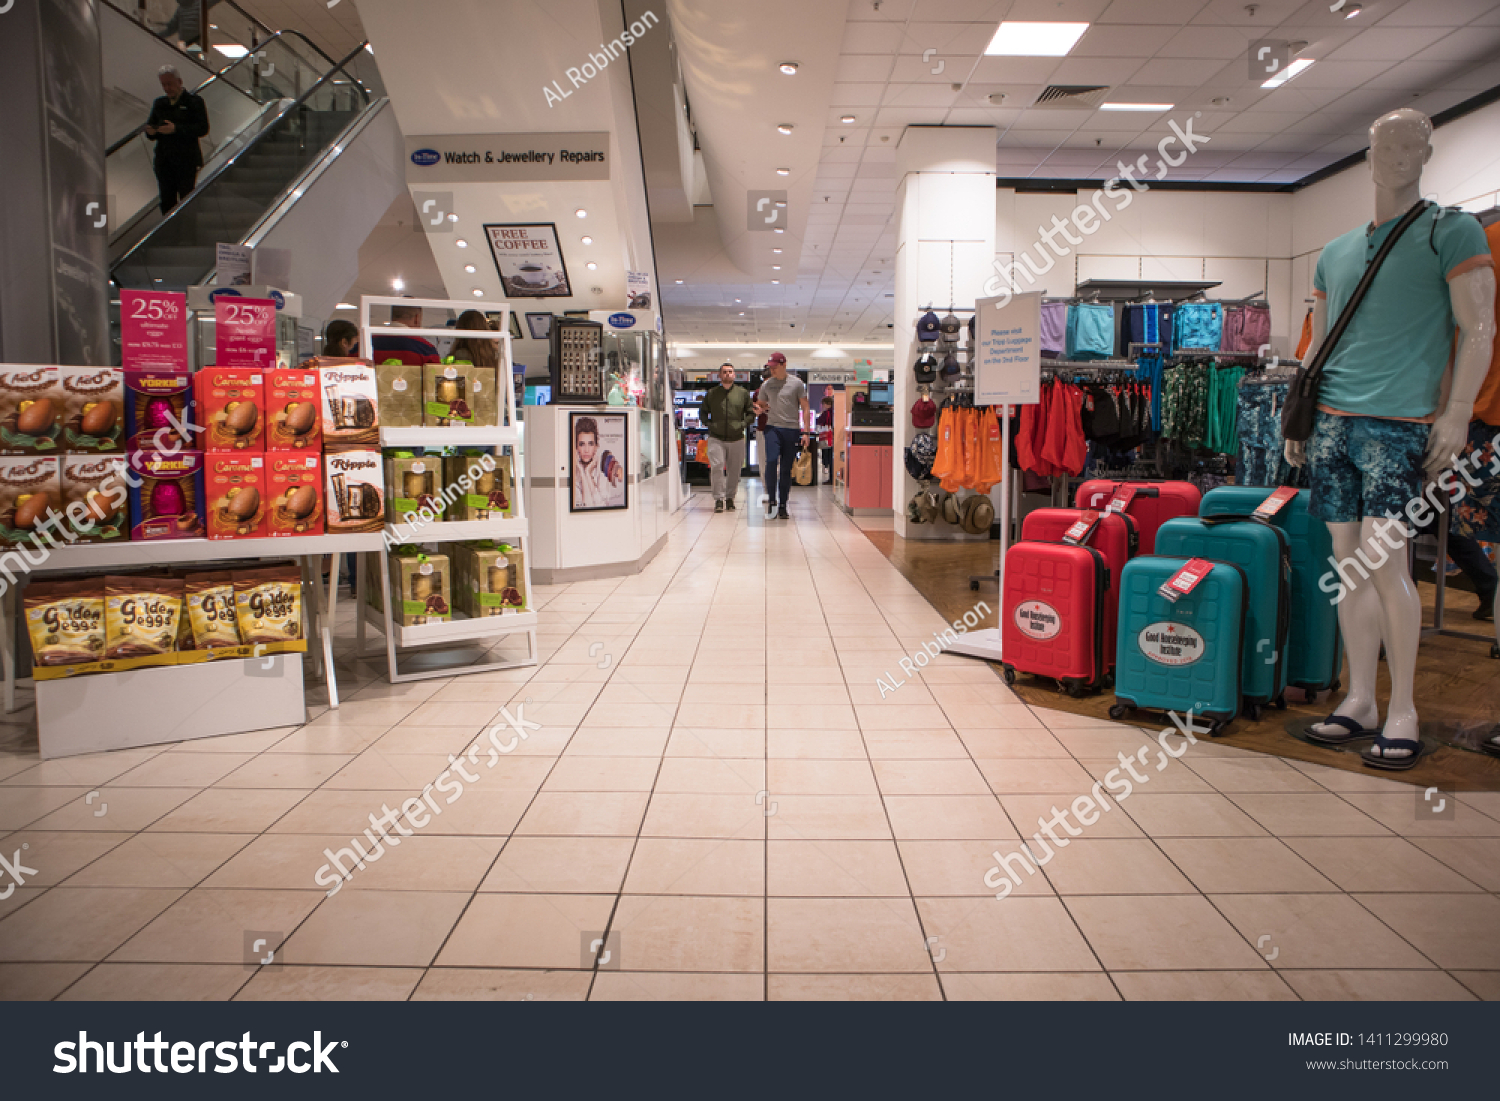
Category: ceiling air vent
<point>1072,96</point>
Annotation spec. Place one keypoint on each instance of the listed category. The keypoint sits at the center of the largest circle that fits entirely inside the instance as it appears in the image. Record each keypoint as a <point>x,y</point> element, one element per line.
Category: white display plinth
<point>978,644</point>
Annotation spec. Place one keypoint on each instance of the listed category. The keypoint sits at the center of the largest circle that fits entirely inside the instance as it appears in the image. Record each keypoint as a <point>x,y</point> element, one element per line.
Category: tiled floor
<point>725,799</point>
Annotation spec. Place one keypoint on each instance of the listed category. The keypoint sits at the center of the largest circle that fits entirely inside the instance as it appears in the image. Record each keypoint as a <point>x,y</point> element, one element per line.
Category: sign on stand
<point>245,332</point>
<point>153,330</point>
<point>1008,370</point>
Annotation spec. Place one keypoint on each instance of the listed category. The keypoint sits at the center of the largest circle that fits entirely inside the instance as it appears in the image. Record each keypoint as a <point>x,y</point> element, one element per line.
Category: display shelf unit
<point>448,648</point>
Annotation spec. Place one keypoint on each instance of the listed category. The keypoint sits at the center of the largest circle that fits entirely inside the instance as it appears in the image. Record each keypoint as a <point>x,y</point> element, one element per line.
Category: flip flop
<point>1491,746</point>
<point>1355,731</point>
<point>1393,764</point>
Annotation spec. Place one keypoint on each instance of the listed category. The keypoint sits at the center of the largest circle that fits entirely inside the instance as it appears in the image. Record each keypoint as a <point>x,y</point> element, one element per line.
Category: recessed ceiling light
<point>478,293</point>
<point>592,266</point>
<point>679,282</point>
<point>736,301</point>
<point>778,230</point>
<point>1352,10</point>
<point>453,217</point>
<point>784,128</point>
<point>345,306</point>
<point>789,67</point>
<point>470,268</point>
<point>231,49</point>
<point>1136,106</point>
<point>776,280</point>
<point>587,240</point>
<point>847,119</point>
<point>581,212</point>
<point>776,250</point>
<point>783,172</point>
<point>1019,39</point>
<point>461,243</point>
<point>398,284</point>
<point>781,202</point>
<point>1301,65</point>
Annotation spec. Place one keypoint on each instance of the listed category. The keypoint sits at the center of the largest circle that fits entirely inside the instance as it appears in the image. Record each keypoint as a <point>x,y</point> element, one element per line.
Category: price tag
<point>153,330</point>
<point>1186,579</point>
<point>1122,498</point>
<point>1079,533</point>
<point>1275,503</point>
<point>245,332</point>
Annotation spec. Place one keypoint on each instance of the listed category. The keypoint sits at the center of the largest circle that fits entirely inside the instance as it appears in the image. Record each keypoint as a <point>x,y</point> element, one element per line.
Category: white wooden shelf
<point>466,435</point>
<point>161,552</point>
<point>453,531</point>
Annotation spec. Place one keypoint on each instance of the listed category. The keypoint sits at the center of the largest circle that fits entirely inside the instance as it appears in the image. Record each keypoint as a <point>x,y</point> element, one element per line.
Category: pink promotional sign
<point>153,330</point>
<point>246,332</point>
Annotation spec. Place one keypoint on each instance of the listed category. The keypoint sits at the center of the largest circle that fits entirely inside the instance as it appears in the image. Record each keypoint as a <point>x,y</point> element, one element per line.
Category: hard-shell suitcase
<point>1315,648</point>
<point>1114,536</point>
<point>1262,553</point>
<point>1153,504</point>
<point>1052,614</point>
<point>1181,656</point>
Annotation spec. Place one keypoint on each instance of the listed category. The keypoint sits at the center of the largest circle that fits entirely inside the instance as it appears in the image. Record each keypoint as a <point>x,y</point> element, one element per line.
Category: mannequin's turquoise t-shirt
<point>1391,359</point>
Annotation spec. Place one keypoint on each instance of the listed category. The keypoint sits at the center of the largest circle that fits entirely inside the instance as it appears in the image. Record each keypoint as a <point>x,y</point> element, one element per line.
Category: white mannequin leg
<point>1360,624</point>
<point>1401,628</point>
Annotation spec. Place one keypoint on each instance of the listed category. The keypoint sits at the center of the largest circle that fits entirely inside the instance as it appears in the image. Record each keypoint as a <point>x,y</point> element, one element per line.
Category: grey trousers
<point>725,461</point>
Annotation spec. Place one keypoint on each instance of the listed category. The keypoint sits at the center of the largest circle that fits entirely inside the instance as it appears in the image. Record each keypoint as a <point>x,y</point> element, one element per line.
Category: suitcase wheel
<point>973,586</point>
<point>1007,674</point>
<point>1337,683</point>
<point>1252,712</point>
<point>1118,710</point>
<point>1109,680</point>
<point>1072,689</point>
<point>1281,704</point>
<point>1495,649</point>
<point>1218,728</point>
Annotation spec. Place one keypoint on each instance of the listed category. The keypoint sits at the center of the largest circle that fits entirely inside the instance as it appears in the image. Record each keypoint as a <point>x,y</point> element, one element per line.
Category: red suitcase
<point>1152,505</point>
<point>1052,611</point>
<point>1114,536</point>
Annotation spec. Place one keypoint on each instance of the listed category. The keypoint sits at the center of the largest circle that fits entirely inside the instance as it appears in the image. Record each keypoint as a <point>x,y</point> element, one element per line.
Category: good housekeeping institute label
<point>1171,643</point>
<point>1038,620</point>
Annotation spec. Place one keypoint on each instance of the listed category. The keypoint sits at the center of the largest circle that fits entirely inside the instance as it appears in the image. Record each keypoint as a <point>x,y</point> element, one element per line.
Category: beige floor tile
<point>679,986</point>
<point>1486,802</point>
<point>1377,864</point>
<point>939,869</point>
<point>215,926</point>
<point>907,744</point>
<point>342,739</point>
<point>376,929</point>
<point>478,811</point>
<point>1114,866</point>
<point>711,775</point>
<point>1170,781</point>
<point>855,988</point>
<point>1455,931</point>
<point>1034,776</point>
<point>815,744</point>
<point>892,715</point>
<point>252,741</point>
<point>1477,858</point>
<point>469,984</point>
<point>987,716</point>
<point>310,984</point>
<point>1014,934</point>
<point>281,770</point>
<point>1267,775</point>
<point>617,742</point>
<point>801,716</point>
<point>702,741</point>
<point>1001,744</point>
<point>180,770</point>
<point>561,865</point>
<point>844,935</point>
<point>630,716</point>
<point>88,770</point>
<point>1029,812</point>
<point>527,930</point>
<point>834,691</point>
<point>572,773</point>
<point>790,776</point>
<point>575,814</point>
<point>706,816</point>
<point>56,855</point>
<point>1376,986</point>
<point>1102,741</point>
<point>1045,987</point>
<point>371,713</point>
<point>1189,816</point>
<point>1202,986</point>
<point>940,777</point>
<point>381,770</point>
<point>947,817</point>
<point>691,866</point>
<point>778,675</point>
<point>1300,815</point>
<point>179,860</point>
<point>79,923</point>
<point>689,933</point>
<point>1319,931</point>
<point>127,809</point>
<point>1346,780</point>
<point>1398,811</point>
<point>158,982</point>
<point>826,817</point>
<point>706,697</point>
<point>436,741</point>
<point>1162,933</point>
<point>1242,865</point>
<point>37,982</point>
<point>229,811</point>
<point>821,869</point>
<point>1483,984</point>
<point>330,811</point>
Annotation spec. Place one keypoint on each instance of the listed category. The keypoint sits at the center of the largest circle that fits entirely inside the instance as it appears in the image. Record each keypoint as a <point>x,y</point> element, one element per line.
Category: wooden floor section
<point>1457,681</point>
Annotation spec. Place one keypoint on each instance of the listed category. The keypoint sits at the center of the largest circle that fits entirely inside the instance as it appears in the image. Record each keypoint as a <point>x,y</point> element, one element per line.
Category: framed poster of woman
<point>598,472</point>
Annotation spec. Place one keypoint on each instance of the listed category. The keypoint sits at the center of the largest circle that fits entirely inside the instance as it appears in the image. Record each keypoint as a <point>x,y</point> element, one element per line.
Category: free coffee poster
<point>529,260</point>
<point>599,462</point>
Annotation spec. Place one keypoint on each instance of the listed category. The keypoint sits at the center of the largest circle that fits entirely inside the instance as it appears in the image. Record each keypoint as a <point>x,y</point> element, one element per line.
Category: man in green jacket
<point>725,411</point>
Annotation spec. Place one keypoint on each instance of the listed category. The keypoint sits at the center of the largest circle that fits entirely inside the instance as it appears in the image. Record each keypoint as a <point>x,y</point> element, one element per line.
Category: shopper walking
<point>783,399</point>
<point>725,411</point>
<point>177,120</point>
<point>391,348</point>
<point>825,437</point>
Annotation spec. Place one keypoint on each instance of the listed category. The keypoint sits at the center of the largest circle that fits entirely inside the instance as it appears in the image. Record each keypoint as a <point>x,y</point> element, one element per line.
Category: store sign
<point>1008,369</point>
<point>621,321</point>
<point>831,376</point>
<point>232,264</point>
<point>492,158</point>
<point>638,290</point>
<point>245,332</point>
<point>153,330</point>
<point>529,260</point>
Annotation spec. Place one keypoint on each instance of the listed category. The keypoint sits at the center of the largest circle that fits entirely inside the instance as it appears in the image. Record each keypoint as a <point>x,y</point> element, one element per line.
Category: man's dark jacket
<point>190,118</point>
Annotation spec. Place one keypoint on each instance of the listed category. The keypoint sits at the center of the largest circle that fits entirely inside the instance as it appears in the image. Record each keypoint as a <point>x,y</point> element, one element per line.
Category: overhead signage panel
<point>491,158</point>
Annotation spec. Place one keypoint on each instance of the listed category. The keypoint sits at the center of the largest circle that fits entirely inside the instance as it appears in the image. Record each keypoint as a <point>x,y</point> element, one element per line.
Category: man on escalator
<point>178,119</point>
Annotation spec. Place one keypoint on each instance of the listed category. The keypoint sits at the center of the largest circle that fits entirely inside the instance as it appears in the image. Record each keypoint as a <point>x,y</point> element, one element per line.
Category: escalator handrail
<point>338,67</point>
<point>288,34</point>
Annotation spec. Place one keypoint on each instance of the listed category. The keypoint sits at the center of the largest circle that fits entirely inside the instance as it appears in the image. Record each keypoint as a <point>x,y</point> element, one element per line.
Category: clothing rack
<point>950,309</point>
<point>1440,576</point>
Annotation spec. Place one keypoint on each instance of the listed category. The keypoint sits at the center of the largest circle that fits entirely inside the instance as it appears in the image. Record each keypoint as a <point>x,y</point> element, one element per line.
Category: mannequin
<point>1372,444</point>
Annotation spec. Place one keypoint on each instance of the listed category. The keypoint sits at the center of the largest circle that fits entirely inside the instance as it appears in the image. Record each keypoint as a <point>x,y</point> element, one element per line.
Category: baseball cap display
<point>923,413</point>
<point>950,365</point>
<point>971,330</point>
<point>950,326</point>
<point>926,367</point>
<point>927,328</point>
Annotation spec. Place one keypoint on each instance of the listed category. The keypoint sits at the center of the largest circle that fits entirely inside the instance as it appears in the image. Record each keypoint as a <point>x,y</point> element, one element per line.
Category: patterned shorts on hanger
<point>1477,516</point>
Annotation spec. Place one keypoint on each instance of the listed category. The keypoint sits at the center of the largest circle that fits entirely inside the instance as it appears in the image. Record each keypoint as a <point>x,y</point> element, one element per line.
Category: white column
<point>945,250</point>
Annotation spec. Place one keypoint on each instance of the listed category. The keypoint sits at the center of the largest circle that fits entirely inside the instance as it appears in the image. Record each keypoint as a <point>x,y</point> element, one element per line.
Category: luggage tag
<point>1274,503</point>
<point>1122,498</point>
<point>1186,579</point>
<point>1079,533</point>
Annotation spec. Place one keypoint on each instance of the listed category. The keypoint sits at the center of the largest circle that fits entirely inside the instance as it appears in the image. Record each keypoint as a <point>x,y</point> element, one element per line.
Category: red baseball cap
<point>777,357</point>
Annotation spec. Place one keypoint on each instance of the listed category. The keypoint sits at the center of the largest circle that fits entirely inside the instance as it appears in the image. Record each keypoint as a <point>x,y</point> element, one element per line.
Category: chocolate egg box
<point>169,501</point>
<point>490,495</point>
<point>93,409</point>
<point>353,490</point>
<point>420,587</point>
<point>294,493</point>
<point>96,497</point>
<point>348,404</point>
<point>160,410</point>
<point>30,500</point>
<point>399,389</point>
<point>292,420</point>
<point>31,409</point>
<point>235,485</point>
<point>231,405</point>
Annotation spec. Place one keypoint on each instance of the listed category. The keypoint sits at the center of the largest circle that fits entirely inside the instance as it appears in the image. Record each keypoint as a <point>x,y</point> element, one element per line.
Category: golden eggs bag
<point>141,615</point>
<point>211,610</point>
<point>268,604</point>
<point>66,621</point>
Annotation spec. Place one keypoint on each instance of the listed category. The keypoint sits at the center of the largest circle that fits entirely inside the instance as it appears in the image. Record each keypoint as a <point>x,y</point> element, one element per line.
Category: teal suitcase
<point>1315,648</point>
<point>1183,656</point>
<point>1263,553</point>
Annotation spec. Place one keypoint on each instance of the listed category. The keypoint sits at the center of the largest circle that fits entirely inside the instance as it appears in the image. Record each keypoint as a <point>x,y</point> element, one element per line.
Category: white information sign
<point>1008,368</point>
